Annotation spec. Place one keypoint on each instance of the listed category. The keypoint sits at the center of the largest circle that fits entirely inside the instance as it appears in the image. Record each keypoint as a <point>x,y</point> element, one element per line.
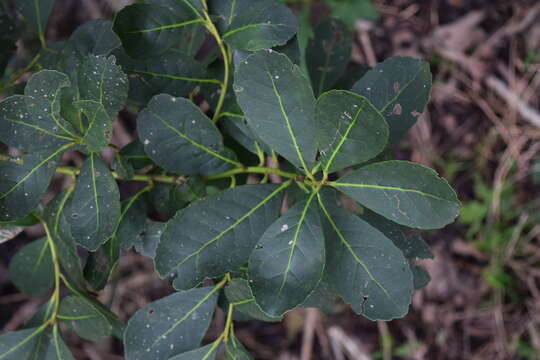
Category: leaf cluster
<point>281,194</point>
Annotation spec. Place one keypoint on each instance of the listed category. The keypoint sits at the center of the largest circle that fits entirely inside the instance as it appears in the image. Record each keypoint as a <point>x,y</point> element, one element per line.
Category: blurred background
<point>481,131</point>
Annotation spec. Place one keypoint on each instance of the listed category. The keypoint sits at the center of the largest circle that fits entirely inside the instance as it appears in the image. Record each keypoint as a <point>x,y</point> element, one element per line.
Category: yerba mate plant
<point>278,187</point>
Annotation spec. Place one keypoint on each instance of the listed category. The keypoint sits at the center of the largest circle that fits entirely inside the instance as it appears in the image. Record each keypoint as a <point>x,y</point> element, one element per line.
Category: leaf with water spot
<point>254,24</point>
<point>98,132</point>
<point>31,269</point>
<point>181,139</point>
<point>149,30</point>
<point>83,318</point>
<point>350,130</point>
<point>288,261</point>
<point>407,193</point>
<point>363,266</point>
<point>279,105</point>
<point>93,210</point>
<point>399,88</point>
<point>328,53</point>
<point>24,180</point>
<point>194,241</point>
<point>32,122</point>
<point>171,325</point>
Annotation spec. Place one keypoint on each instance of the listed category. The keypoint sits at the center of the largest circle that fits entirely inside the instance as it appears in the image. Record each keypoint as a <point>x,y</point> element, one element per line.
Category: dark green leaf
<point>322,298</point>
<point>148,30</point>
<point>328,53</point>
<point>420,275</point>
<point>84,318</point>
<point>238,129</point>
<point>404,192</point>
<point>98,133</point>
<point>399,88</point>
<point>102,81</point>
<point>207,352</point>
<point>95,37</point>
<point>150,238</point>
<point>8,38</point>
<point>132,223</point>
<point>24,180</point>
<point>101,264</point>
<point>236,351</point>
<point>196,239</point>
<point>56,219</point>
<point>412,245</point>
<point>288,261</point>
<point>36,12</point>
<point>279,105</point>
<point>32,122</point>
<point>94,209</point>
<point>49,345</point>
<point>349,130</point>
<point>133,154</point>
<point>239,294</point>
<point>349,11</point>
<point>180,138</point>
<point>255,24</point>
<point>364,267</point>
<point>20,345</point>
<point>171,325</point>
<point>31,269</point>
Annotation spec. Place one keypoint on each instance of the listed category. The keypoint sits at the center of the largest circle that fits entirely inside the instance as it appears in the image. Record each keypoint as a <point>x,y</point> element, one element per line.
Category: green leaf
<point>239,294</point>
<point>420,275</point>
<point>193,244</point>
<point>173,73</point>
<point>407,193</point>
<point>102,81</point>
<point>288,261</point>
<point>84,318</point>
<point>349,11</point>
<point>238,129</point>
<point>132,223</point>
<point>399,88</point>
<point>24,180</point>
<point>180,138</point>
<point>279,105</point>
<point>94,209</point>
<point>149,30</point>
<point>98,133</point>
<point>101,264</point>
<point>328,53</point>
<point>49,345</point>
<point>132,156</point>
<point>150,239</point>
<point>56,219</point>
<point>20,344</point>
<point>255,24</point>
<point>95,37</point>
<point>32,122</point>
<point>36,12</point>
<point>207,352</point>
<point>322,298</point>
<point>31,269</point>
<point>350,130</point>
<point>364,267</point>
<point>412,245</point>
<point>171,325</point>
<point>236,351</point>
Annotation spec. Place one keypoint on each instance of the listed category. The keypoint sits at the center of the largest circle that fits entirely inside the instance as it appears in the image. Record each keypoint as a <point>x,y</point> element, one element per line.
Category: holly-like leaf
<point>31,269</point>
<point>36,12</point>
<point>239,294</point>
<point>349,130</point>
<point>407,193</point>
<point>180,138</point>
<point>170,326</point>
<point>104,82</point>
<point>95,37</point>
<point>399,88</point>
<point>207,352</point>
<point>254,24</point>
<point>279,105</point>
<point>288,261</point>
<point>196,240</point>
<point>24,180</point>
<point>93,210</point>
<point>364,267</point>
<point>83,317</point>
<point>412,245</point>
<point>328,53</point>
<point>33,122</point>
<point>148,30</point>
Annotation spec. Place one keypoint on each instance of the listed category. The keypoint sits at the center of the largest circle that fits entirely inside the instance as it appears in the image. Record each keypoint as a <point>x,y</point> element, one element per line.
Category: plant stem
<point>57,274</point>
<point>18,75</point>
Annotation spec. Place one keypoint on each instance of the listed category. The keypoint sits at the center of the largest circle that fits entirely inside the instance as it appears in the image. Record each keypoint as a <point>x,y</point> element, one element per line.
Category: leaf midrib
<point>384,187</point>
<point>166,27</point>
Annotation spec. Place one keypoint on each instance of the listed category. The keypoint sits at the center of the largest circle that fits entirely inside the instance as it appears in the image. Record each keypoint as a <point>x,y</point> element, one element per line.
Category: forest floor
<point>481,132</point>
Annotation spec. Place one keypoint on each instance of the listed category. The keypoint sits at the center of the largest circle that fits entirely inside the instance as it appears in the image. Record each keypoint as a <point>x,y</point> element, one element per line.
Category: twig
<point>312,317</point>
